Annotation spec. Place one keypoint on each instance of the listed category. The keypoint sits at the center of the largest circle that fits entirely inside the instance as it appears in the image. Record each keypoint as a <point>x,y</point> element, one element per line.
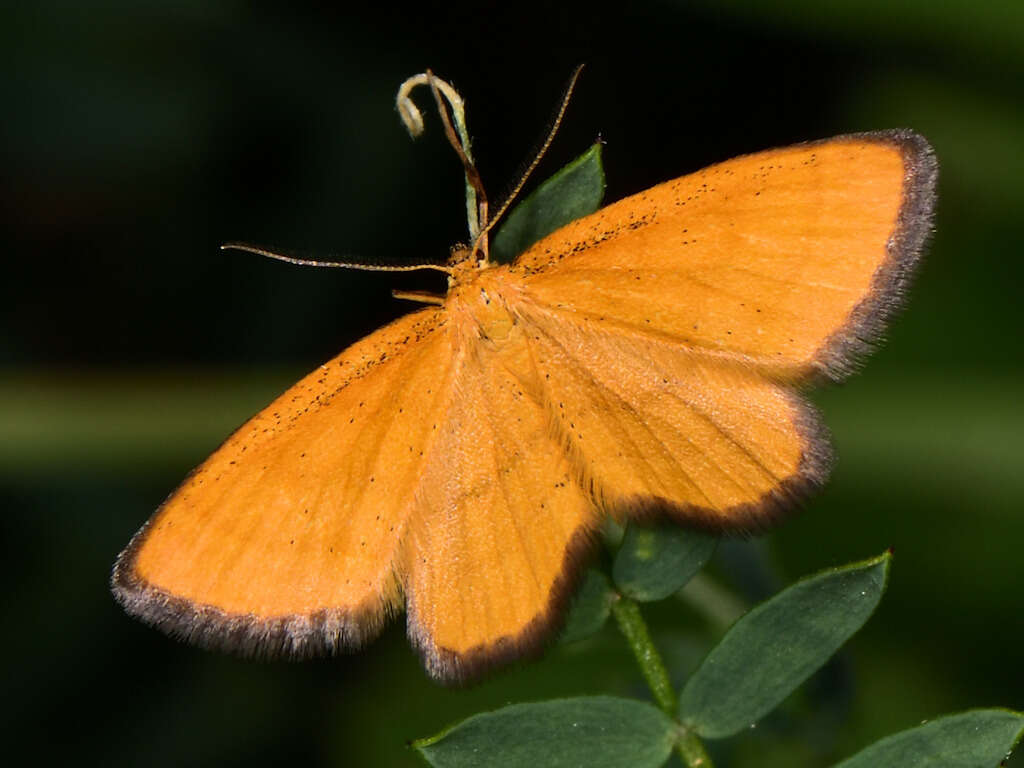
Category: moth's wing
<point>284,541</point>
<point>653,430</point>
<point>501,523</point>
<point>789,260</point>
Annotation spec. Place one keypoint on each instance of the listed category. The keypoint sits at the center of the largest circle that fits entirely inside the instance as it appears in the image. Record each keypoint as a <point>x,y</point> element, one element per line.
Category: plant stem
<point>631,622</point>
<point>627,614</point>
<point>692,751</point>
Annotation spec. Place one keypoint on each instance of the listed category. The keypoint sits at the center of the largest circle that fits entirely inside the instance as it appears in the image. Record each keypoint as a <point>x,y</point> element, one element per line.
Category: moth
<point>644,361</point>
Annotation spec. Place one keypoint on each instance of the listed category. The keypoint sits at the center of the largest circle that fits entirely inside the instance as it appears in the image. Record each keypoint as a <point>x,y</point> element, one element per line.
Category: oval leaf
<point>981,738</point>
<point>778,645</point>
<point>590,607</point>
<point>653,563</point>
<point>598,732</point>
<point>570,194</point>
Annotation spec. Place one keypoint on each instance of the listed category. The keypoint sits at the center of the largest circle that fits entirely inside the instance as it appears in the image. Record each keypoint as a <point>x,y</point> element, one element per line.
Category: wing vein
<point>503,486</point>
<point>709,419</point>
<point>666,453</point>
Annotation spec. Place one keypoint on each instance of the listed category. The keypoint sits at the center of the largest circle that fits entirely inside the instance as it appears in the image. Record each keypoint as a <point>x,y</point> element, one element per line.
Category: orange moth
<point>642,361</point>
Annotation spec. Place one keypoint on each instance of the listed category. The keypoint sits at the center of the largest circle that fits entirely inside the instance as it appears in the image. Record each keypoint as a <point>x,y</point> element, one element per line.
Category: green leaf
<point>590,607</point>
<point>778,645</point>
<point>980,738</point>
<point>598,732</point>
<point>570,194</point>
<point>653,563</point>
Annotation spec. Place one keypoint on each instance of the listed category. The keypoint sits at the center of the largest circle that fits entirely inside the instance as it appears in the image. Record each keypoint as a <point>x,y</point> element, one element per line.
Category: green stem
<point>631,622</point>
<point>692,751</point>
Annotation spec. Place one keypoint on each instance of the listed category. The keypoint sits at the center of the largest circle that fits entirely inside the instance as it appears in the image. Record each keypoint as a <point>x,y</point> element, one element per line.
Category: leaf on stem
<point>597,731</point>
<point>980,738</point>
<point>590,608</point>
<point>571,193</point>
<point>776,646</point>
<point>655,562</point>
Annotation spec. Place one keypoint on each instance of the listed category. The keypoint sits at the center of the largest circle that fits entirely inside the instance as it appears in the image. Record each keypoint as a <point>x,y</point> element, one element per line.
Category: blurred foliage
<point>138,136</point>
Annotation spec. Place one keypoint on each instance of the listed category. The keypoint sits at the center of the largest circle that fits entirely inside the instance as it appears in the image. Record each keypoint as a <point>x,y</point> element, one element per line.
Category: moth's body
<point>639,361</point>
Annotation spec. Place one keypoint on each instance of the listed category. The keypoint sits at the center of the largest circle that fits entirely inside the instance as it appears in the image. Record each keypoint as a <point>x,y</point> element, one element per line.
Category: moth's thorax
<point>464,266</point>
<point>478,303</point>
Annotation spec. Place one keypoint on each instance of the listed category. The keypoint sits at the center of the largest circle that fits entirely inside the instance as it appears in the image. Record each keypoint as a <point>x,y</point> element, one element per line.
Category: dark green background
<point>137,136</point>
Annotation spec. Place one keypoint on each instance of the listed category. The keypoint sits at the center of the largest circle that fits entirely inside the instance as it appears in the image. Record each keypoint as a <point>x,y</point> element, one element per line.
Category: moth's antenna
<point>338,264</point>
<point>457,134</point>
<point>566,96</point>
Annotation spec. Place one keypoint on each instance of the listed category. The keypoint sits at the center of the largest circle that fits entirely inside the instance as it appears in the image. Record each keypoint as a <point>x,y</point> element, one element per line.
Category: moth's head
<point>465,266</point>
